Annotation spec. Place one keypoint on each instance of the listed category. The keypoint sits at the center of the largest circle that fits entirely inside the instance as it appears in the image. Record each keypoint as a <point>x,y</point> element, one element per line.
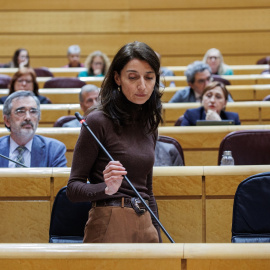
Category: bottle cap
<point>227,153</point>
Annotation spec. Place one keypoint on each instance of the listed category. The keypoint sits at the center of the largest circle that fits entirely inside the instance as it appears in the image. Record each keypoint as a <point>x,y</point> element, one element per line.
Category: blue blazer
<point>192,115</point>
<point>46,152</point>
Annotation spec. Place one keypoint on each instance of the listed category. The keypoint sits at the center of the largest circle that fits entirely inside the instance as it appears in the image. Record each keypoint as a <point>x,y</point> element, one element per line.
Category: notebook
<point>214,123</point>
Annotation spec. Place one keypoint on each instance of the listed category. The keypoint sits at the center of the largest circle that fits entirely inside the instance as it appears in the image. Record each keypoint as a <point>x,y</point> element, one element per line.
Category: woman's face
<point>24,82</point>
<point>213,60</point>
<point>22,57</point>
<point>137,80</point>
<point>97,65</point>
<point>214,100</point>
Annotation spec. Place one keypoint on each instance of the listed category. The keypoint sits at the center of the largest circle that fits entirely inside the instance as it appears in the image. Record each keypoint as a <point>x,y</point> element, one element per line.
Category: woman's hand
<point>212,115</point>
<point>24,63</point>
<point>113,176</point>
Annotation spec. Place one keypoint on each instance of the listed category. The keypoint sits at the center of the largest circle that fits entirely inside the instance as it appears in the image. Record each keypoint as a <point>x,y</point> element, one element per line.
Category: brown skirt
<point>113,224</point>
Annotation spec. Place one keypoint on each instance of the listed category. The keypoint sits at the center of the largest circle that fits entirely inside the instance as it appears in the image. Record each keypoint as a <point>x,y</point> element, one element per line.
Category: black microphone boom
<point>13,161</point>
<point>82,121</point>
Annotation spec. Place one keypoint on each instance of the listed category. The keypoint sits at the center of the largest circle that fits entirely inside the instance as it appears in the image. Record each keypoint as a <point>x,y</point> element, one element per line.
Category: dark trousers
<point>113,224</point>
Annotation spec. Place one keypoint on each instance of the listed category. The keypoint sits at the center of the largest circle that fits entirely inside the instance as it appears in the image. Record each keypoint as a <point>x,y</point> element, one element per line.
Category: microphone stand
<point>13,161</point>
<point>82,121</point>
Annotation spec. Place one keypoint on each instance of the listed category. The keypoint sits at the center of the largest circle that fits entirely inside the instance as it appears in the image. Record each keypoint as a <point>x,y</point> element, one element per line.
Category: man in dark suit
<point>21,116</point>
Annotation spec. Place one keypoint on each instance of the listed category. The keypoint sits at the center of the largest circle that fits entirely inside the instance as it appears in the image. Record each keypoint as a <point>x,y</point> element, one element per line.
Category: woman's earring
<point>119,89</point>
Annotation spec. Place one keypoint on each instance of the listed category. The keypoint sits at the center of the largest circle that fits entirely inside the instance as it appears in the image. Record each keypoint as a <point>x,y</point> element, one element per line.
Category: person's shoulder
<point>4,139</point>
<point>181,95</point>
<point>44,100</point>
<point>166,72</point>
<point>72,123</point>
<point>83,74</point>
<point>3,99</point>
<point>48,141</point>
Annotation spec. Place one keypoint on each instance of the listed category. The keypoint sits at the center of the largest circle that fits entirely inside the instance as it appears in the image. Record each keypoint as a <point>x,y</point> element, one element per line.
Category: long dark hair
<point>115,105</point>
<point>16,55</point>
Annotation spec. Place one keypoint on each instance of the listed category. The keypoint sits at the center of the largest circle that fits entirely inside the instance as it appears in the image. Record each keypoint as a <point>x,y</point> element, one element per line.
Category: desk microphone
<point>22,165</point>
<point>82,121</point>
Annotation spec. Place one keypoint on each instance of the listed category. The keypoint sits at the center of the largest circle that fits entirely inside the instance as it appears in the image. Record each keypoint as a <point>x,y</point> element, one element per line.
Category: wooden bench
<point>195,203</point>
<point>135,256</point>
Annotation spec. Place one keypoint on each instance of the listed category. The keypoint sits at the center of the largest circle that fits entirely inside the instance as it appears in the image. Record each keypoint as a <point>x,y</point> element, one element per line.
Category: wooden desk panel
<point>195,203</point>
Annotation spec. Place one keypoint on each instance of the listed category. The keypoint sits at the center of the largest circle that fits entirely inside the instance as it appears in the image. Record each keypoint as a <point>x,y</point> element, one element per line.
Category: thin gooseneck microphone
<point>82,121</point>
<point>13,161</point>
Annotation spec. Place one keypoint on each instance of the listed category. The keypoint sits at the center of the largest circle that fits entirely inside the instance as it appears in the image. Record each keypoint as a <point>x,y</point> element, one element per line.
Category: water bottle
<point>227,158</point>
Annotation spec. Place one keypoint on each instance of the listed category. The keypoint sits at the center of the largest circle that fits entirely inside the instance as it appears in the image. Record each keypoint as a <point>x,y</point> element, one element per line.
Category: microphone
<point>13,161</point>
<point>82,121</point>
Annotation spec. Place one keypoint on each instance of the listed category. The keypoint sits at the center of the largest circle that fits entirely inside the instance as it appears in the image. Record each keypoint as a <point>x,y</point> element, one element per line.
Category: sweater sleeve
<point>85,155</point>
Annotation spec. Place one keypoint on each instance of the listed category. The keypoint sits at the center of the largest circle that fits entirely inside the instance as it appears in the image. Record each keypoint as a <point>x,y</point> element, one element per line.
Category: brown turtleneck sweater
<point>131,146</point>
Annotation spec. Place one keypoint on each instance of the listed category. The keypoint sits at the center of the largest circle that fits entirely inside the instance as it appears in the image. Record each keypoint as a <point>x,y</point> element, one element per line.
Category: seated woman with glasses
<point>214,100</point>
<point>25,79</point>
<point>214,59</point>
<point>97,64</point>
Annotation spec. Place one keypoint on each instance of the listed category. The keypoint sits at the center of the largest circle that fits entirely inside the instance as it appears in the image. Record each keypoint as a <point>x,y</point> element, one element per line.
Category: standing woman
<point>126,122</point>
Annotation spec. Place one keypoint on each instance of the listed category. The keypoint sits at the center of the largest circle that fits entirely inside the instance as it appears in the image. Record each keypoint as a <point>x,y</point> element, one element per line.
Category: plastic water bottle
<point>227,158</point>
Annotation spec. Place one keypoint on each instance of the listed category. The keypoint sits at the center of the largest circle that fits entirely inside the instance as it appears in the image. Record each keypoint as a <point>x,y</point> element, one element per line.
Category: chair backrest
<point>64,83</point>
<point>267,98</point>
<point>62,120</point>
<point>68,219</point>
<point>218,78</point>
<point>266,71</point>
<point>249,147</point>
<point>264,61</point>
<point>43,72</point>
<point>251,211</point>
<point>168,152</point>
<point>179,121</point>
<point>4,81</point>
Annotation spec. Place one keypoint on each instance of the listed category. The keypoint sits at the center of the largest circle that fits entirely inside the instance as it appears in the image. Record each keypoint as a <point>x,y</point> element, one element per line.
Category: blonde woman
<point>97,64</point>
<point>214,59</point>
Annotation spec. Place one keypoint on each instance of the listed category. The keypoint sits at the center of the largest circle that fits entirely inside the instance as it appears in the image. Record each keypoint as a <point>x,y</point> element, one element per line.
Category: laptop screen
<point>214,123</point>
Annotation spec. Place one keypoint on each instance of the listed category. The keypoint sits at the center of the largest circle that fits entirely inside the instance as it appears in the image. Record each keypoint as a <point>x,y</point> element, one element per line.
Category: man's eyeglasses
<point>22,112</point>
<point>26,81</point>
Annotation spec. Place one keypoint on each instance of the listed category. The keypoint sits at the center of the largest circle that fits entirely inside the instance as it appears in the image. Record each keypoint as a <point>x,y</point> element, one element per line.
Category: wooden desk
<point>234,79</point>
<point>237,69</point>
<point>256,92</point>
<point>200,144</point>
<point>181,80</point>
<point>135,256</point>
<point>195,203</point>
<point>250,112</point>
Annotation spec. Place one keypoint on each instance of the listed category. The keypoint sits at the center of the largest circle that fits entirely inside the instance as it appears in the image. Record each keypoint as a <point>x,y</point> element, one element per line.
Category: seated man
<point>73,55</point>
<point>21,116</point>
<point>88,97</point>
<point>198,77</point>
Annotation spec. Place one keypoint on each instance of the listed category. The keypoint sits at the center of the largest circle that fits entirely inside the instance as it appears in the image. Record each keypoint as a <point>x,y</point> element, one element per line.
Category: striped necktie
<point>20,158</point>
